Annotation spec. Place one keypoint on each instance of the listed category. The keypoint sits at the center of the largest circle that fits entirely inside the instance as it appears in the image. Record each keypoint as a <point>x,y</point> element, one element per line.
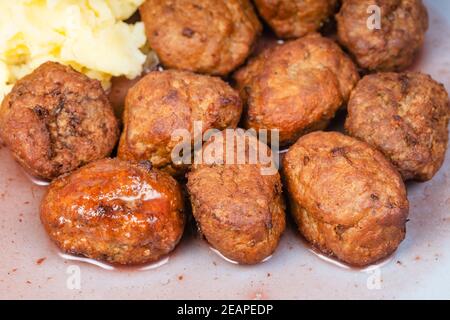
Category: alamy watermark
<point>73,281</point>
<point>228,147</point>
<point>374,280</point>
<point>374,20</point>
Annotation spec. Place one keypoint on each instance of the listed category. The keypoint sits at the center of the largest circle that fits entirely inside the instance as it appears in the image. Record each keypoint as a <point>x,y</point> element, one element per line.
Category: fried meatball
<point>346,197</point>
<point>238,207</point>
<point>115,211</point>
<point>405,116</point>
<point>295,18</point>
<point>56,120</point>
<point>212,37</point>
<point>296,87</point>
<point>163,102</point>
<point>390,46</point>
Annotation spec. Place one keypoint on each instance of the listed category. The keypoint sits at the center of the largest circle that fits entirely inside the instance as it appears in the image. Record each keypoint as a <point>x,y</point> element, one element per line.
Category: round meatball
<point>296,87</point>
<point>56,120</point>
<point>405,116</point>
<point>212,37</point>
<point>163,104</point>
<point>391,44</point>
<point>238,206</point>
<point>295,18</point>
<point>116,211</point>
<point>346,197</point>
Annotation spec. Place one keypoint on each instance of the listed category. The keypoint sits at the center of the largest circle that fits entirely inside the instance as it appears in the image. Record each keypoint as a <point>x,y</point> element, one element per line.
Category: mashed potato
<point>89,35</point>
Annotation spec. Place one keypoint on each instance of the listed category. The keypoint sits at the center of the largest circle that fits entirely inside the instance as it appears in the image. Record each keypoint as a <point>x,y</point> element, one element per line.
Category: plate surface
<point>31,266</point>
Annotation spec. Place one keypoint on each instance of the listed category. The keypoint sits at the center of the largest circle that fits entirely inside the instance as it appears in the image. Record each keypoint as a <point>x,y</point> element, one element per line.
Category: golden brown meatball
<point>346,198</point>
<point>56,120</point>
<point>296,87</point>
<point>393,46</point>
<point>238,207</point>
<point>115,211</point>
<point>212,37</point>
<point>163,102</point>
<point>405,116</point>
<point>295,18</point>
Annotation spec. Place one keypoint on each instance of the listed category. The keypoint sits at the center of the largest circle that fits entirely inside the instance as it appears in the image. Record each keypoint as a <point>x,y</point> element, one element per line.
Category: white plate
<point>419,269</point>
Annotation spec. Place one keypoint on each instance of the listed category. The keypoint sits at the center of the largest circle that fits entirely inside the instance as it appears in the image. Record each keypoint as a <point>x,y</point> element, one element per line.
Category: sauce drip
<point>109,267</point>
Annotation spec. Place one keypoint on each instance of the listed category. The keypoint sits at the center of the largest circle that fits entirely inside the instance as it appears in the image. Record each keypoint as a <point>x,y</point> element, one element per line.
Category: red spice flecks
<point>40,261</point>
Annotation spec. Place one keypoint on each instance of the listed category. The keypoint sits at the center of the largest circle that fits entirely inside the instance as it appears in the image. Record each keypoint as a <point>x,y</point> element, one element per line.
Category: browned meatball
<point>238,207</point>
<point>295,18</point>
<point>163,102</point>
<point>346,198</point>
<point>404,115</point>
<point>115,211</point>
<point>56,120</point>
<point>393,46</point>
<point>296,87</point>
<point>212,37</point>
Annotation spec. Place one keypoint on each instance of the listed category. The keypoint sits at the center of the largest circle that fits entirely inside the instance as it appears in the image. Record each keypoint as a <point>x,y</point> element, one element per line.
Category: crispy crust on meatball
<point>405,116</point>
<point>56,120</point>
<point>296,87</point>
<point>163,102</point>
<point>212,37</point>
<point>395,44</point>
<point>116,211</point>
<point>239,210</point>
<point>346,198</point>
<point>295,18</point>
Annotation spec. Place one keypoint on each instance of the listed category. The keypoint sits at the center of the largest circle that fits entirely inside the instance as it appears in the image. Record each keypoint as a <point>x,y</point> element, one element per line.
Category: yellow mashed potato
<point>89,35</point>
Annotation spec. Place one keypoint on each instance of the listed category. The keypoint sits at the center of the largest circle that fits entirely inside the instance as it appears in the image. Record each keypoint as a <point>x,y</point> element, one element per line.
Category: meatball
<point>112,210</point>
<point>238,206</point>
<point>212,37</point>
<point>405,116</point>
<point>56,120</point>
<point>390,46</point>
<point>163,103</point>
<point>295,18</point>
<point>346,197</point>
<point>296,87</point>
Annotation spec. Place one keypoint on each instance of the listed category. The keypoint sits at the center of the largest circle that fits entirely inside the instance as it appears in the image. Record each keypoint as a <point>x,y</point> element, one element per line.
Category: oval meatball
<point>405,116</point>
<point>56,120</point>
<point>162,104</point>
<point>296,87</point>
<point>212,37</point>
<point>295,18</point>
<point>346,198</point>
<point>390,45</point>
<point>238,206</point>
<point>115,211</point>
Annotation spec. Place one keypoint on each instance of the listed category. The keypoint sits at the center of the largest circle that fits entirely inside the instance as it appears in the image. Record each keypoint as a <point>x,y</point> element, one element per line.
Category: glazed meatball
<point>163,103</point>
<point>212,37</point>
<point>238,206</point>
<point>404,115</point>
<point>56,120</point>
<point>295,18</point>
<point>296,87</point>
<point>115,211</point>
<point>346,197</point>
<point>390,46</point>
